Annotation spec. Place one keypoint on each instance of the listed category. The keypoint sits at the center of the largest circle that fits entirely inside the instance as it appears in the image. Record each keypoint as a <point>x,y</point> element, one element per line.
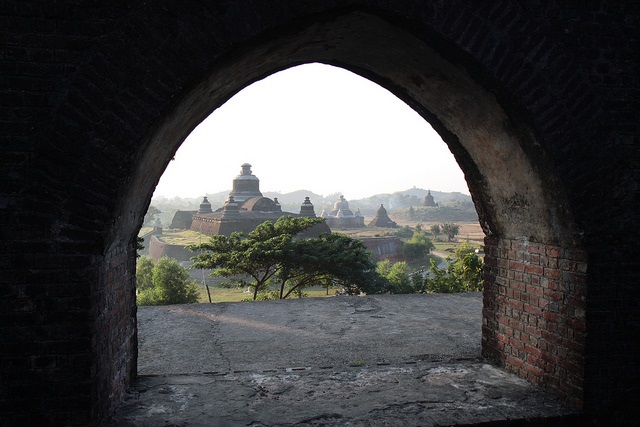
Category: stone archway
<point>513,96</point>
<point>532,239</point>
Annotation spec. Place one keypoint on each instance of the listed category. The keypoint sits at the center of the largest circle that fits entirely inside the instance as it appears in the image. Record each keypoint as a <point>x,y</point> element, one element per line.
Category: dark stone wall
<point>86,87</point>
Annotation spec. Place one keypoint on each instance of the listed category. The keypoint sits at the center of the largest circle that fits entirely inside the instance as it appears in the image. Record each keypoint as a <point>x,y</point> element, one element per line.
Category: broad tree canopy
<point>273,254</point>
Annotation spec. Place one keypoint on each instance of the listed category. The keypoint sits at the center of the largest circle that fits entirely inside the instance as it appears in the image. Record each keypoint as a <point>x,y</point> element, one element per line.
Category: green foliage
<point>462,275</point>
<point>271,255</point>
<point>170,284</point>
<point>418,247</point>
<point>435,230</point>
<point>450,230</point>
<point>400,278</point>
<point>144,273</point>
<point>404,232</point>
<point>468,267</point>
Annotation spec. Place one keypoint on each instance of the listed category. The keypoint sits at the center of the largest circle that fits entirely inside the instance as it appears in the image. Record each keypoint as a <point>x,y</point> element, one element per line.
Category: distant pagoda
<point>382,219</point>
<point>428,200</point>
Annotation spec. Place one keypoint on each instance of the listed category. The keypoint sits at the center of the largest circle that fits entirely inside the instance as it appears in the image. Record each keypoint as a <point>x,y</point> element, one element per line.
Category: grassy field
<point>220,294</point>
<point>182,237</point>
<point>470,232</point>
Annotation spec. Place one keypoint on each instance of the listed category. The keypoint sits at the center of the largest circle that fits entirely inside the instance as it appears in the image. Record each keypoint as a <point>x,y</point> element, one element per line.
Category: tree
<point>404,232</point>
<point>450,230</point>
<point>435,230</point>
<point>464,274</point>
<point>329,260</point>
<point>400,278</point>
<point>418,247</point>
<point>171,284</point>
<point>144,273</point>
<point>272,254</point>
<point>468,268</point>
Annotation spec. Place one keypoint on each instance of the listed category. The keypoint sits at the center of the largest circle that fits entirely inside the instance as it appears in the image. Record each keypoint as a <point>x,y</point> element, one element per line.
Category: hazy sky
<point>317,128</point>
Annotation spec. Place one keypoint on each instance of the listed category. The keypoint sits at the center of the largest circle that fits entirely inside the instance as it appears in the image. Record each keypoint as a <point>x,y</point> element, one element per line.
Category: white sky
<point>317,128</point>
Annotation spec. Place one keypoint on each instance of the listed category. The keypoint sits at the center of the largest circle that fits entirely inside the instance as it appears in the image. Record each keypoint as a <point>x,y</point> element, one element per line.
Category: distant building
<point>342,217</point>
<point>382,219</point>
<point>428,200</point>
<point>246,208</point>
<point>182,219</point>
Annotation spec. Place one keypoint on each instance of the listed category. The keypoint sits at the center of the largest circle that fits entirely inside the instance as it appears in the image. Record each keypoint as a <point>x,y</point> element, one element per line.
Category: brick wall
<point>534,309</point>
<point>114,334</point>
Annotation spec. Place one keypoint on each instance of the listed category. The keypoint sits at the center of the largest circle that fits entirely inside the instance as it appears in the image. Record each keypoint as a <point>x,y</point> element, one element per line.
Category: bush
<point>418,247</point>
<point>404,232</point>
<point>170,284</point>
<point>144,273</point>
<point>400,278</point>
<point>462,275</point>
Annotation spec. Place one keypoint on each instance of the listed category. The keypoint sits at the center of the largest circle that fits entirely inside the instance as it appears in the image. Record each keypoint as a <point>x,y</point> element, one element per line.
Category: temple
<point>342,217</point>
<point>246,208</point>
<point>382,219</point>
<point>428,200</point>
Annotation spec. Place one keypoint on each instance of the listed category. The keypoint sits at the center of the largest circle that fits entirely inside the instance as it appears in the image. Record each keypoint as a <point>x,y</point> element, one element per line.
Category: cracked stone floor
<point>389,360</point>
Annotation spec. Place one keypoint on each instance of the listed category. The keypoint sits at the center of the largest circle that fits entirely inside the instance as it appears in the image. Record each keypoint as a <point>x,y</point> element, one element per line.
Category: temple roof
<point>246,185</point>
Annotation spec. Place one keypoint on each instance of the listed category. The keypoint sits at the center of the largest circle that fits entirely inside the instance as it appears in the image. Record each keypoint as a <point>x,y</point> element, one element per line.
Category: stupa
<point>342,217</point>
<point>382,219</point>
<point>428,200</point>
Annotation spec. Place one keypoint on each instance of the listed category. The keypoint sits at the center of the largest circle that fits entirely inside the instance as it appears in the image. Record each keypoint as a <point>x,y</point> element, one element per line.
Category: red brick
<point>533,351</point>
<point>532,310</point>
<point>535,290</point>
<point>535,373</point>
<point>553,295</point>
<point>552,273</point>
<point>535,248</point>
<point>533,269</point>
<point>549,262</point>
<point>515,304</point>
<point>553,251</point>
<point>516,266</point>
<point>517,285</point>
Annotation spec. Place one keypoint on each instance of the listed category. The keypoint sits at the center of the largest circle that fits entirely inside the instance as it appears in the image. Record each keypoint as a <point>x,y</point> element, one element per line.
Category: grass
<point>221,294</point>
<point>182,237</point>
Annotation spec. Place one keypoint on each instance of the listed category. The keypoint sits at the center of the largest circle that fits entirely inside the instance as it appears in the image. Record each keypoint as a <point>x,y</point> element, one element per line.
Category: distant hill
<point>295,197</point>
<point>439,196</point>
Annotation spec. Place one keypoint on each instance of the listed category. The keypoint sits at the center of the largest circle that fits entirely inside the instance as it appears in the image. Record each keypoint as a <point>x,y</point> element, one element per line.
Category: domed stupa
<point>246,185</point>
<point>342,217</point>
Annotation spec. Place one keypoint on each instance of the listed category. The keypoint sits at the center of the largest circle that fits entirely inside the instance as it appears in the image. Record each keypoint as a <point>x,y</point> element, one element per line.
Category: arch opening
<point>390,160</point>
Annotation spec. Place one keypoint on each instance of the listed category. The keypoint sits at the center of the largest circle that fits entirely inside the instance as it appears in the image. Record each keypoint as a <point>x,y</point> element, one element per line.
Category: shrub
<point>170,284</point>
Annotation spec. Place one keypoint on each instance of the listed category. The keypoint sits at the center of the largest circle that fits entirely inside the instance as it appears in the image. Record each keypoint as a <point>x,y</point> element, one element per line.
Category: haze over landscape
<point>318,128</point>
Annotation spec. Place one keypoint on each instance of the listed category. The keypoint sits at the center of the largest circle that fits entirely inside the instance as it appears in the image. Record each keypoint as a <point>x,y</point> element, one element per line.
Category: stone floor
<point>392,360</point>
